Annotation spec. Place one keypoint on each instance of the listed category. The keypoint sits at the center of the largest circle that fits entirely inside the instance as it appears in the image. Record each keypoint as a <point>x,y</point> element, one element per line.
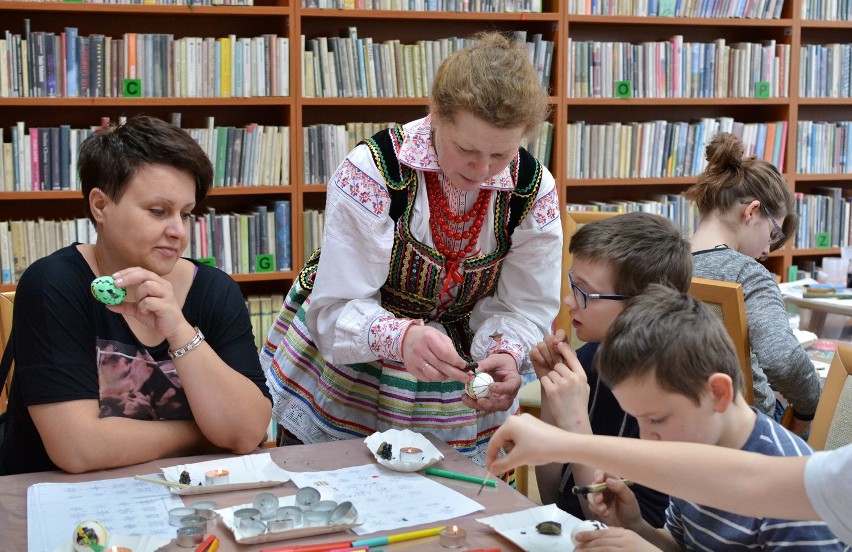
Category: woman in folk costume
<point>442,247</point>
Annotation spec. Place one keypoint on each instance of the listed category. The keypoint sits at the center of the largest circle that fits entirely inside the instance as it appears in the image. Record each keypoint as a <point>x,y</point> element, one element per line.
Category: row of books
<point>325,146</point>
<point>672,206</point>
<point>751,9</point>
<point>659,149</point>
<point>349,66</point>
<point>41,158</point>
<point>824,147</point>
<point>488,6</point>
<point>244,243</point>
<point>44,64</point>
<point>237,243</point>
<point>825,71</point>
<point>263,310</point>
<point>24,241</point>
<point>253,155</point>
<point>827,10</point>
<point>824,218</point>
<point>313,227</point>
<point>46,158</point>
<point>676,69</point>
<point>163,2</point>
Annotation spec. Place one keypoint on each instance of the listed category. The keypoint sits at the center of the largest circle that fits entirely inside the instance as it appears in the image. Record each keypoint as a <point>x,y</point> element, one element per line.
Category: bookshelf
<point>557,22</point>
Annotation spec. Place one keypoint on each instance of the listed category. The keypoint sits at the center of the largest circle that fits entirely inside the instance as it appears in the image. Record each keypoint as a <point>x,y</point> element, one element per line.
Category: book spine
<point>283,246</point>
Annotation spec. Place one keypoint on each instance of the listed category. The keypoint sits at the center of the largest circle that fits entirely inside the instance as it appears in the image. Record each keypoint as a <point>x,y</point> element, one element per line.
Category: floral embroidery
<point>514,348</point>
<point>386,335</point>
<point>546,209</point>
<point>356,184</point>
<point>416,150</point>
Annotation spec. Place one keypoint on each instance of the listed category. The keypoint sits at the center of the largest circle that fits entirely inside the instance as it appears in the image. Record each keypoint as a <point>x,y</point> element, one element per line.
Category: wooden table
<point>325,456</point>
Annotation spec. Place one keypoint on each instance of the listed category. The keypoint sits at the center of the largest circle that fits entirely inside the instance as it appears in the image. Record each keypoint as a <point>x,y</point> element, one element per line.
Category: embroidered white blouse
<point>346,318</point>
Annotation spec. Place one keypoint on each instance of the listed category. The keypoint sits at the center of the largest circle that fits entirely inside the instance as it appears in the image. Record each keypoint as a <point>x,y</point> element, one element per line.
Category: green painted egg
<point>105,291</point>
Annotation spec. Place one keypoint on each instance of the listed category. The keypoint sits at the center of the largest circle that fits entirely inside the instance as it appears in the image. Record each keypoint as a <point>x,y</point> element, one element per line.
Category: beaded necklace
<point>440,214</point>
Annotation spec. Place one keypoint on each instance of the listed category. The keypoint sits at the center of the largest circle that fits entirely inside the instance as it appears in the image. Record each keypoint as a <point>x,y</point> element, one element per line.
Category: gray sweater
<point>777,359</point>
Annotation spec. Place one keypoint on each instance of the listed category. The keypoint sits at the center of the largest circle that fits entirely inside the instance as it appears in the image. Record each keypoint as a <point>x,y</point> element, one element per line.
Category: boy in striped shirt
<point>671,365</point>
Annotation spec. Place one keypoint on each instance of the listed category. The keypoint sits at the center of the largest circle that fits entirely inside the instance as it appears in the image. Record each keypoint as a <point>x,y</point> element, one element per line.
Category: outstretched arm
<point>741,482</point>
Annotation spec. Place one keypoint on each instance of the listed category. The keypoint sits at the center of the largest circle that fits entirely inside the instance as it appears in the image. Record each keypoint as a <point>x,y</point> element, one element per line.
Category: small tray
<point>519,527</point>
<point>226,517</point>
<point>252,471</point>
<point>403,438</point>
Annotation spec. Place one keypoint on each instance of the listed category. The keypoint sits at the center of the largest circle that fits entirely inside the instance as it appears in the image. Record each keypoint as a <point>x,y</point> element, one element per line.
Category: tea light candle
<point>452,537</point>
<point>410,454</point>
<point>190,536</point>
<point>216,477</point>
<point>118,549</point>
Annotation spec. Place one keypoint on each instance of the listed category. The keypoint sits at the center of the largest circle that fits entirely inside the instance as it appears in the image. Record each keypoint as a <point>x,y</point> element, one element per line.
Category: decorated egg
<point>478,386</point>
<point>586,525</point>
<point>105,291</point>
<point>89,535</point>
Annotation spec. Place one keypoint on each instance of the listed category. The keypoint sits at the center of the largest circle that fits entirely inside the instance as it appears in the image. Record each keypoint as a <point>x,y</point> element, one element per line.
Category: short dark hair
<point>111,156</point>
<point>672,335</point>
<point>641,248</point>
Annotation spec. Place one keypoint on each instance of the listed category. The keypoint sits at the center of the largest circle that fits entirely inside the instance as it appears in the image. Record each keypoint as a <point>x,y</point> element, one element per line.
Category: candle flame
<point>455,529</point>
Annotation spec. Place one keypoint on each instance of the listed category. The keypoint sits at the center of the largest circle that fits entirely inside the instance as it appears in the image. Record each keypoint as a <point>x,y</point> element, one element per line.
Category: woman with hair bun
<point>747,211</point>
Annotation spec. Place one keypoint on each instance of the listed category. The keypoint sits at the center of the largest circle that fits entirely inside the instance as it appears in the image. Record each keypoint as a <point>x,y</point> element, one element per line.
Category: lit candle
<point>118,549</point>
<point>410,454</point>
<point>216,477</point>
<point>452,537</point>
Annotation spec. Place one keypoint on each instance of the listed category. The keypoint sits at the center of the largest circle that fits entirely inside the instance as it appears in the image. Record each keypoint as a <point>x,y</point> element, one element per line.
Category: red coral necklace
<point>440,214</point>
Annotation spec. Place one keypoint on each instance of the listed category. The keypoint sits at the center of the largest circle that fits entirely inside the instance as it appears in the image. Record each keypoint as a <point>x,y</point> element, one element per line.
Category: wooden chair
<point>832,425</point>
<point>726,301</point>
<point>529,396</point>
<point>6,301</point>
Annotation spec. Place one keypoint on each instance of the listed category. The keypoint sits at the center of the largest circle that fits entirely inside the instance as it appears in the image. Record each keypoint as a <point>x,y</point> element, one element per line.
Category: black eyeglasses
<point>777,235</point>
<point>582,298</point>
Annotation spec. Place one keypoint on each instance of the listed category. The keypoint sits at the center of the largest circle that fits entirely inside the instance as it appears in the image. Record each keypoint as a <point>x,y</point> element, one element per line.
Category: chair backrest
<point>571,221</point>
<point>6,301</point>
<point>832,425</point>
<point>726,301</point>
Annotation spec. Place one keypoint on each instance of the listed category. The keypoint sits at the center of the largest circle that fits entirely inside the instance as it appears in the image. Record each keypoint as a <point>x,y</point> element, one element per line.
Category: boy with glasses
<point>671,364</point>
<point>614,260</point>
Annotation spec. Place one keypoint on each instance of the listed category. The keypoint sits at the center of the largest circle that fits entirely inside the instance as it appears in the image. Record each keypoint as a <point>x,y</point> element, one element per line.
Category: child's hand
<point>617,505</point>
<point>566,390</point>
<point>614,538</point>
<point>526,441</point>
<point>545,356</point>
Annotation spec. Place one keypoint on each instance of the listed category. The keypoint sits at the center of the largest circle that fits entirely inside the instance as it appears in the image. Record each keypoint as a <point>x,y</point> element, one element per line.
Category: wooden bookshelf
<point>288,18</point>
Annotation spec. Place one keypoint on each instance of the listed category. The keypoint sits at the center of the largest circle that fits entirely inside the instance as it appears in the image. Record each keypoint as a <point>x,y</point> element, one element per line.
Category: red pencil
<point>321,547</point>
<point>205,546</point>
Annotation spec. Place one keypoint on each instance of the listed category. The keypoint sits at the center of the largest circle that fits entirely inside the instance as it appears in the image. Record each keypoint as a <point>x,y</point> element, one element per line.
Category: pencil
<point>165,482</point>
<point>390,539</point>
<point>595,488</point>
<point>461,477</point>
<point>321,547</point>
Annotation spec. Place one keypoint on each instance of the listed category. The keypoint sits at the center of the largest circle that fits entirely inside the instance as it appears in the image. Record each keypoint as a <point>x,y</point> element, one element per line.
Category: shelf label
<point>264,263</point>
<point>132,88</point>
<point>823,240</point>
<point>666,8</point>
<point>624,89</point>
<point>761,89</point>
<point>209,261</point>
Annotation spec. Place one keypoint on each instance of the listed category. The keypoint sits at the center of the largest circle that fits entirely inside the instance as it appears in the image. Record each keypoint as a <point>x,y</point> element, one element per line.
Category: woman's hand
<point>430,355</point>
<point>507,382</point>
<point>150,299</point>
